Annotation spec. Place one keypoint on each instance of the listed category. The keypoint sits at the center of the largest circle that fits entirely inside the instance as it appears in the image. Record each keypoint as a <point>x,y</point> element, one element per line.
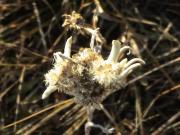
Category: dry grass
<point>30,31</point>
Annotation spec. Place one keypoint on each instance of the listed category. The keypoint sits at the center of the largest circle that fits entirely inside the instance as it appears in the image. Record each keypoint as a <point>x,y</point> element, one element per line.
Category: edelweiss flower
<point>87,76</point>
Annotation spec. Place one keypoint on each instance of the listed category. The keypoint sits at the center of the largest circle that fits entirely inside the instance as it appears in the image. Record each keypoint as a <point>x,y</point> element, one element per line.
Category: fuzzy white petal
<point>114,54</point>
<point>48,91</point>
<point>67,49</point>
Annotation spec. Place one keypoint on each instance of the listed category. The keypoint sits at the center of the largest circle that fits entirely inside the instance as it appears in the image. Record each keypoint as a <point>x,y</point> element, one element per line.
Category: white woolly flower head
<point>111,71</point>
<point>53,75</point>
<point>86,75</point>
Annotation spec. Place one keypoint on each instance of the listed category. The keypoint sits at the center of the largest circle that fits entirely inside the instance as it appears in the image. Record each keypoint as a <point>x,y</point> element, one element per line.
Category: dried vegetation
<point>30,32</point>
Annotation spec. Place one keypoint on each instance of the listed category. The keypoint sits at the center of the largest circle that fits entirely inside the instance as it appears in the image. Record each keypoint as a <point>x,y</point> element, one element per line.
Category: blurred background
<point>30,31</point>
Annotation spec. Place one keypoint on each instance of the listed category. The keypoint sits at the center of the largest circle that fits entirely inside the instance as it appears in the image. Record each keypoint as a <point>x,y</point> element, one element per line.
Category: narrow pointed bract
<point>113,56</point>
<point>67,48</point>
